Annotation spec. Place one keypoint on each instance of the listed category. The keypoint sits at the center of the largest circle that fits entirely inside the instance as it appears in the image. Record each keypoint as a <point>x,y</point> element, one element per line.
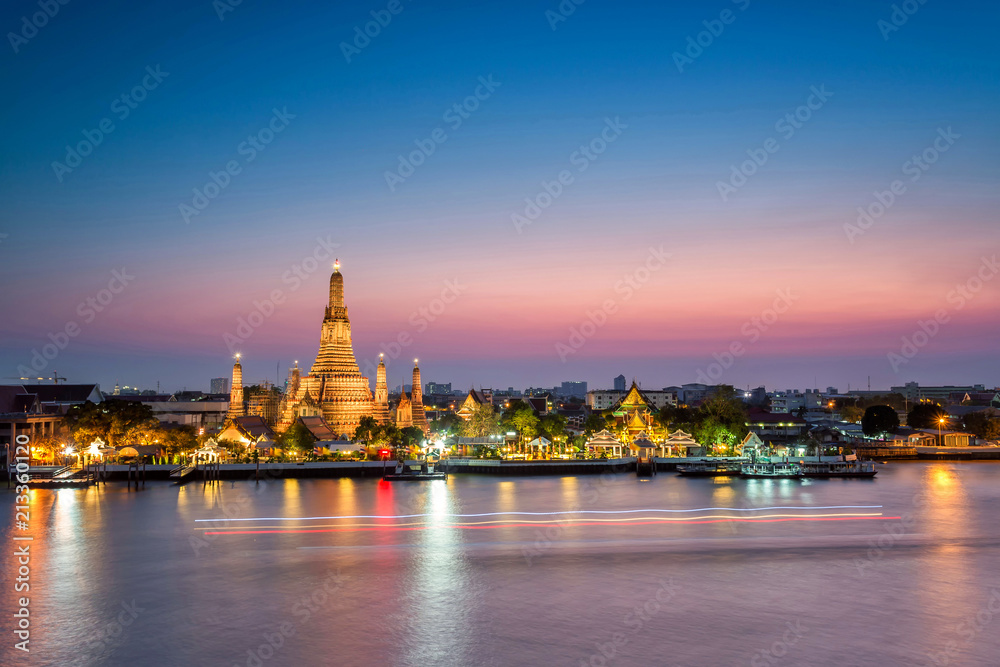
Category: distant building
<point>438,388</point>
<point>220,386</point>
<point>620,383</point>
<point>912,391</point>
<point>578,389</point>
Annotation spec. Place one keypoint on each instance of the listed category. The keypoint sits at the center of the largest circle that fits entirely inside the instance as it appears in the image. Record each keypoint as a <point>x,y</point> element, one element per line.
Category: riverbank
<point>517,468</point>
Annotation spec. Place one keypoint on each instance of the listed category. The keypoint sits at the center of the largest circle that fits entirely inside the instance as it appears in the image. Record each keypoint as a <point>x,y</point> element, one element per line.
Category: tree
<point>366,430</point>
<point>410,436</point>
<point>725,414</point>
<point>879,420</point>
<point>851,413</point>
<point>297,438</point>
<point>116,422</point>
<point>180,441</point>
<point>448,423</point>
<point>925,415</point>
<point>982,425</point>
<point>552,425</point>
<point>592,424</point>
<point>484,421</point>
<point>526,423</point>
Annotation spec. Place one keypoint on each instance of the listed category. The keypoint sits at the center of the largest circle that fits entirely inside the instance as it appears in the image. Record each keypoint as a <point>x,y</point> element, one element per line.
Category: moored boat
<point>414,473</point>
<point>707,468</point>
<point>847,467</point>
<point>771,470</point>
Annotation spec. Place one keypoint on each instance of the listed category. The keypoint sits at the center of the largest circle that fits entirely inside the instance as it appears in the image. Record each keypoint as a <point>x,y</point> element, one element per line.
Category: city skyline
<point>633,146</point>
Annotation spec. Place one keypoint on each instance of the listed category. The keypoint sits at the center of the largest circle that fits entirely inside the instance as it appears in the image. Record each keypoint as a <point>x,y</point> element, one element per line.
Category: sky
<point>782,194</point>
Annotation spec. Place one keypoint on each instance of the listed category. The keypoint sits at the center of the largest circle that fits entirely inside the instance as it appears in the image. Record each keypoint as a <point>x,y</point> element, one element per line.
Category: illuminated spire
<point>236,391</point>
<point>419,417</point>
<point>337,291</point>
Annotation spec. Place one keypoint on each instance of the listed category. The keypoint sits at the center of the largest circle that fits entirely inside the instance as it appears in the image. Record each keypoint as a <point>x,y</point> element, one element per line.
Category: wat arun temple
<point>335,389</point>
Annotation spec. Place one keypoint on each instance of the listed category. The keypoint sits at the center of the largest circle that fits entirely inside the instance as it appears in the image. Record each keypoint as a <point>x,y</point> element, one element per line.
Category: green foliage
<point>982,425</point>
<point>116,422</point>
<point>484,421</point>
<point>925,415</point>
<point>879,420</point>
<point>592,424</point>
<point>376,434</point>
<point>297,438</point>
<point>411,436</point>
<point>552,426</point>
<point>851,413</point>
<point>449,423</point>
<point>722,419</point>
<point>182,440</point>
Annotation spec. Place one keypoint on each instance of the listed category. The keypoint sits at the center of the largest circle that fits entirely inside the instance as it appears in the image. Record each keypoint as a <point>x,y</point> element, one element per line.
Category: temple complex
<point>635,417</point>
<point>335,384</point>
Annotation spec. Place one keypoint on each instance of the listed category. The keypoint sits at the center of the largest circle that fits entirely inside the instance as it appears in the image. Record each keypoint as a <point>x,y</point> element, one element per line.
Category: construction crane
<point>55,378</point>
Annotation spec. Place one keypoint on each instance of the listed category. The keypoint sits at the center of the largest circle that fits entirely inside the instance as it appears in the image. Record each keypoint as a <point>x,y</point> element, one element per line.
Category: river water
<point>911,577</point>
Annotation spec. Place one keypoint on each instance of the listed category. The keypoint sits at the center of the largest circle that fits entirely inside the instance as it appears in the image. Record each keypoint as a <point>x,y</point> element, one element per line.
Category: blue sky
<point>323,176</point>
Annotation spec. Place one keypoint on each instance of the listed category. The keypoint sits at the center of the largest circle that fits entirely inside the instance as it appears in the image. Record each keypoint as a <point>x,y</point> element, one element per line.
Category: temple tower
<point>345,394</point>
<point>381,413</point>
<point>236,392</point>
<point>419,418</point>
<point>404,410</point>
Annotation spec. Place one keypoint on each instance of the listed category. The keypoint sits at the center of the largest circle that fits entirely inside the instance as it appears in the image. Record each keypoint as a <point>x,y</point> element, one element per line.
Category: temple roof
<point>604,438</point>
<point>634,398</point>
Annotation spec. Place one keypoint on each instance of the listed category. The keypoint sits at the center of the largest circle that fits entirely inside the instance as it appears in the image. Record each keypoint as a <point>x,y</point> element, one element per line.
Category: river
<point>900,570</point>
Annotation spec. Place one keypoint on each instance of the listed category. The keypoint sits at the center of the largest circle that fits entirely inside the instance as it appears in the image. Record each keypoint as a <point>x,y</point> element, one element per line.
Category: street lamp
<point>940,441</point>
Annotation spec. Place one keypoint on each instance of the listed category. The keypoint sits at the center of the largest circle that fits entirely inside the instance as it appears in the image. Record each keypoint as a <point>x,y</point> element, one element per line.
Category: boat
<point>849,466</point>
<point>707,468</point>
<point>414,473</point>
<point>771,470</point>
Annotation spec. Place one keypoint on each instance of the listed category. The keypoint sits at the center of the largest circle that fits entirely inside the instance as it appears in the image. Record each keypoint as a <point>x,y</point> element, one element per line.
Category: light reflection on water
<point>863,594</point>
